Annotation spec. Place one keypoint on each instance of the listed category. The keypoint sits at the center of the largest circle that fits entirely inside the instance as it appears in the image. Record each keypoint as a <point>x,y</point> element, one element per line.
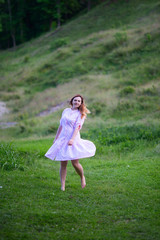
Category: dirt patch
<point>3,109</point>
<point>52,109</point>
<point>7,124</point>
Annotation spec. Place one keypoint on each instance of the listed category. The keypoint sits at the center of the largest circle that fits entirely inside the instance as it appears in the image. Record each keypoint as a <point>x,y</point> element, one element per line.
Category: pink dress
<point>60,150</point>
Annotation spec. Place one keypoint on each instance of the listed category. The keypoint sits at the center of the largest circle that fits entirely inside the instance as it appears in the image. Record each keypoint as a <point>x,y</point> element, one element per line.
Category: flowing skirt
<point>61,151</point>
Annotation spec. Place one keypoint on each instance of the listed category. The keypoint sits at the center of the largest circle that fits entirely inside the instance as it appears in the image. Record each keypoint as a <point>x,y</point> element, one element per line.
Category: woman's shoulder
<point>65,110</point>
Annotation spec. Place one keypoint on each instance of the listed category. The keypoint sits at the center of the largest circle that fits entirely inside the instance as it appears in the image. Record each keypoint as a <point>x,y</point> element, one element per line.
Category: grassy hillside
<point>110,55</point>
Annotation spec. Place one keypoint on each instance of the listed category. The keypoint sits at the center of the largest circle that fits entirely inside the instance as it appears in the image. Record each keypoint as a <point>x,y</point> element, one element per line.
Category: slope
<point>110,55</point>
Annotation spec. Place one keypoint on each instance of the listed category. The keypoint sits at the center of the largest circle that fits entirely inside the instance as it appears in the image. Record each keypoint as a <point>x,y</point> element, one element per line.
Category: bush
<point>120,38</point>
<point>26,59</point>
<point>115,135</point>
<point>96,108</point>
<point>10,97</point>
<point>150,91</point>
<point>125,107</point>
<point>152,71</point>
<point>45,67</point>
<point>32,79</point>
<point>126,91</point>
<point>58,43</point>
<point>63,54</point>
<point>52,129</point>
<point>22,116</point>
<point>27,91</point>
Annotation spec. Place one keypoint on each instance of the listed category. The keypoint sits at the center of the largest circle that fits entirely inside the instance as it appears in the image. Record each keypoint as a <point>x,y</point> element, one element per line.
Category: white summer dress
<point>60,150</point>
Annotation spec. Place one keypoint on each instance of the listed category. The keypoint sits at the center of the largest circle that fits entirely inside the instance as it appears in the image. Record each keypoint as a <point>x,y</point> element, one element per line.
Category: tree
<point>22,20</point>
<point>89,5</point>
<point>12,30</point>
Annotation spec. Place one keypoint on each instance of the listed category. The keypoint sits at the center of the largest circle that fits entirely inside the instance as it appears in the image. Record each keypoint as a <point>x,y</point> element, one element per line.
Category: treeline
<point>22,20</point>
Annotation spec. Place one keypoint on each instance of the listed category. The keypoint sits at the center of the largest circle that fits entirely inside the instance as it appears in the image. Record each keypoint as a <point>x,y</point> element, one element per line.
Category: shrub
<point>152,71</point>
<point>96,108</point>
<point>22,116</point>
<point>10,89</point>
<point>10,97</point>
<point>27,91</point>
<point>58,43</point>
<point>126,91</point>
<point>45,67</point>
<point>147,37</point>
<point>52,129</point>
<point>81,67</point>
<point>32,79</point>
<point>150,91</point>
<point>76,48</point>
<point>26,59</point>
<point>109,46</point>
<point>63,53</point>
<point>120,37</point>
<point>115,135</point>
<point>124,106</point>
<point>97,52</point>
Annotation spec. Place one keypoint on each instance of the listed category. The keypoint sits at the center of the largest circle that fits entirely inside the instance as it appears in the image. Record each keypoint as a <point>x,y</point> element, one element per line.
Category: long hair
<point>82,108</point>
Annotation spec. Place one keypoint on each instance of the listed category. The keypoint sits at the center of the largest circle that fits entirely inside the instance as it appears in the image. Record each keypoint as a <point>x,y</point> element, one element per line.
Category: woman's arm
<point>58,133</point>
<point>73,136</point>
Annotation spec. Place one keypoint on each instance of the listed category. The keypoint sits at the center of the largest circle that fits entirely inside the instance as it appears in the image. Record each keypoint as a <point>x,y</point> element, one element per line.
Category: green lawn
<point>120,201</point>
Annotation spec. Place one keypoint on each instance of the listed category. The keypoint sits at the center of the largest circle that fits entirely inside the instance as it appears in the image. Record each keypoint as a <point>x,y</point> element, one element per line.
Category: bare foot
<point>63,188</point>
<point>83,182</point>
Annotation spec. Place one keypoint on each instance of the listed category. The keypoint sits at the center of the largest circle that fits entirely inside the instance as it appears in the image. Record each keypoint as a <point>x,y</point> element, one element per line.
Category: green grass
<point>120,200</point>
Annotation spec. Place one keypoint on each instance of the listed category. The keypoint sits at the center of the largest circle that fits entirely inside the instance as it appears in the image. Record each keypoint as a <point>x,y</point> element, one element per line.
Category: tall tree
<point>12,30</point>
<point>89,5</point>
<point>58,13</point>
<point>2,12</point>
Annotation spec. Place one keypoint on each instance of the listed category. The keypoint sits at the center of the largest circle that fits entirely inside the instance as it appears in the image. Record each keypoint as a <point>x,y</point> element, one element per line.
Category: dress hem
<point>60,160</point>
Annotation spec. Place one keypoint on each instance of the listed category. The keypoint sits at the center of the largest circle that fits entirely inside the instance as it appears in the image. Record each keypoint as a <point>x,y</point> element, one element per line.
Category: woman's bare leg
<point>79,169</point>
<point>63,173</point>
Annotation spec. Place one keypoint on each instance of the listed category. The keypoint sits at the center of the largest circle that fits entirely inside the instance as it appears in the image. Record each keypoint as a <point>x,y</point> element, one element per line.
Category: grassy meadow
<point>110,55</point>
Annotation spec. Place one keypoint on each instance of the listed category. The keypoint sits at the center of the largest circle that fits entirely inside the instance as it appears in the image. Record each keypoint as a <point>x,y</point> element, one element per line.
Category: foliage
<point>52,129</point>
<point>58,43</point>
<point>24,20</point>
<point>126,91</point>
<point>96,108</point>
<point>150,91</point>
<point>115,135</point>
<point>10,159</point>
<point>13,159</point>
<point>120,38</point>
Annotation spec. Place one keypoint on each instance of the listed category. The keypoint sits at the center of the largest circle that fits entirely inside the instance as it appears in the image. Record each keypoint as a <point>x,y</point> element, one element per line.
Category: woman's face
<point>76,102</point>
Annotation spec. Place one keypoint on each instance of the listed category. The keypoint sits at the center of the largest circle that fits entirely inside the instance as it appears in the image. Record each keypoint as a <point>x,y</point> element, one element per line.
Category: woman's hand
<point>70,142</point>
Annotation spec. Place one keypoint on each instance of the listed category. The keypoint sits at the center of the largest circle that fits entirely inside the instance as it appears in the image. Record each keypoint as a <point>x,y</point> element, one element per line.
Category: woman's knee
<point>64,164</point>
<point>75,163</point>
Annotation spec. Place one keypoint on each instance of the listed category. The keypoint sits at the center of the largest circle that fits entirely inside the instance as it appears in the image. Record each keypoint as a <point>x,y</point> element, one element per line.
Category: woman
<point>68,144</point>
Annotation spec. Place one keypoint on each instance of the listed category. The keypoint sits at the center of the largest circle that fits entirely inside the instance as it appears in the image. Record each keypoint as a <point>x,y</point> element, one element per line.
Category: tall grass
<point>12,159</point>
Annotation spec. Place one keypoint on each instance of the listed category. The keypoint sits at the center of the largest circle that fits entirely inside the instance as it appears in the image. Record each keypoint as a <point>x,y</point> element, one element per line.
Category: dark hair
<point>82,108</point>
